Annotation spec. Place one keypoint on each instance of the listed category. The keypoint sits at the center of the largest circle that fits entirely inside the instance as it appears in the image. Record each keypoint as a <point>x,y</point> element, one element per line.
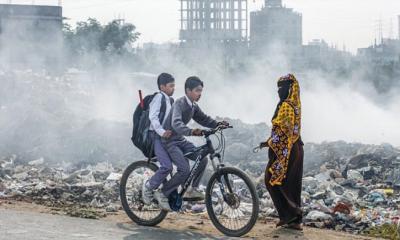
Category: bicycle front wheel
<point>232,202</point>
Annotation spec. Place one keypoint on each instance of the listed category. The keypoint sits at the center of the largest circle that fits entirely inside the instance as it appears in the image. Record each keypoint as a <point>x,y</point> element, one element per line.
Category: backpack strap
<point>163,108</point>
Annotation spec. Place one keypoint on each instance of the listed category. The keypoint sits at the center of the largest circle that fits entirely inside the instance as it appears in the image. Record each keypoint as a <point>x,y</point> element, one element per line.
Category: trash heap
<point>91,187</point>
<point>349,194</point>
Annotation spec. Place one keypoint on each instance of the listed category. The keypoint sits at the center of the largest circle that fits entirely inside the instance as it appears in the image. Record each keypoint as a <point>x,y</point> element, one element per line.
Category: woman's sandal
<point>280,223</point>
<point>295,226</point>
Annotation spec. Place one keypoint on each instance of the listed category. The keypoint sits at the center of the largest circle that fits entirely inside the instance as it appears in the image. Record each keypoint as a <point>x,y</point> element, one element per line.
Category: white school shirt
<point>155,107</point>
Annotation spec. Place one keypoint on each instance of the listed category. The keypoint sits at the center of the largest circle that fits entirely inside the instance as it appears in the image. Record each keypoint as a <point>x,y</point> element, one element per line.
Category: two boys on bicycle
<point>170,145</point>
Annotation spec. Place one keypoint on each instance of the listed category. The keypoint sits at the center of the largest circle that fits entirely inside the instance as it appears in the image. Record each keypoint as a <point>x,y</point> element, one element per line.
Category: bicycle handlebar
<point>207,133</point>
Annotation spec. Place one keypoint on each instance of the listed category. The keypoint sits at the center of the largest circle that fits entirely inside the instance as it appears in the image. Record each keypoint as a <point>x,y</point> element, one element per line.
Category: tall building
<point>398,24</point>
<point>273,3</point>
<point>33,18</point>
<point>275,25</point>
<point>30,32</point>
<point>213,21</point>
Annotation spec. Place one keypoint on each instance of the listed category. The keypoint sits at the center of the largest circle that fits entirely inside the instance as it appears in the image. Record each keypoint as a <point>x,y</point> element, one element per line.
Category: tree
<point>87,35</point>
<point>118,36</point>
<point>90,36</point>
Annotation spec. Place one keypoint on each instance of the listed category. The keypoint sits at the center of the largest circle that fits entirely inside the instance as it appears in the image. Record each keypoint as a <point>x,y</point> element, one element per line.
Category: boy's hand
<point>197,132</point>
<point>167,134</point>
<point>223,123</point>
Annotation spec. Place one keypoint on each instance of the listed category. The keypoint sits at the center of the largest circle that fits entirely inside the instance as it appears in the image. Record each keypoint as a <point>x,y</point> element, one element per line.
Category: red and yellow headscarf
<point>285,132</point>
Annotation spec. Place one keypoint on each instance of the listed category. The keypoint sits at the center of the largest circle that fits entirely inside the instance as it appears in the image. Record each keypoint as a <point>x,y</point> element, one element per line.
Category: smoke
<point>85,114</point>
<point>334,108</point>
<point>345,113</point>
<point>330,111</point>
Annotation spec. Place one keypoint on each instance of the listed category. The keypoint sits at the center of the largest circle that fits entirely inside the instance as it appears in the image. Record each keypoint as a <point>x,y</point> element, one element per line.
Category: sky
<point>351,24</point>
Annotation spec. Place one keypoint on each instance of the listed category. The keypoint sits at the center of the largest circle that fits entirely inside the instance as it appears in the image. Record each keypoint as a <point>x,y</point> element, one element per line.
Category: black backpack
<point>141,124</point>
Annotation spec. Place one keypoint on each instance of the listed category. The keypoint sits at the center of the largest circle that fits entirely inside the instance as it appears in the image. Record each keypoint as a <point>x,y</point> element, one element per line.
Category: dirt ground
<point>200,223</point>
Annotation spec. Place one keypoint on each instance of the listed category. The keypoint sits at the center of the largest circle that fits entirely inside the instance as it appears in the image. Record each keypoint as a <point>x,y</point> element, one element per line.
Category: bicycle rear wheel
<point>131,194</point>
<point>232,202</point>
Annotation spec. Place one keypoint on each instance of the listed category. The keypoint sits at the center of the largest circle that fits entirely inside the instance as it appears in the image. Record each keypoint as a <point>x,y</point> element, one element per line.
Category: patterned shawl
<point>285,131</point>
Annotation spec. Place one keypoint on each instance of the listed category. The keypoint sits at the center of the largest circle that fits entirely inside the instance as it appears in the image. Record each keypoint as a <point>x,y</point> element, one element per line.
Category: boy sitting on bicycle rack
<point>183,110</point>
<point>159,109</point>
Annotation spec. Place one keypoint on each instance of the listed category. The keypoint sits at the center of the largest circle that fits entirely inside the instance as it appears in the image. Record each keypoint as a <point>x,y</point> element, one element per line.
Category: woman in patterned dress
<point>284,172</point>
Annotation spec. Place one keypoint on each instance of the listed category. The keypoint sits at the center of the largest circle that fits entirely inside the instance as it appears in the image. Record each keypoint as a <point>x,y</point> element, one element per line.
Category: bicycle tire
<point>255,201</point>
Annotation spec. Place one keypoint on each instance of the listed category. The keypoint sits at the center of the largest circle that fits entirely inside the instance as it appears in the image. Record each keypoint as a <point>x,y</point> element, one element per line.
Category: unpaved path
<point>20,220</point>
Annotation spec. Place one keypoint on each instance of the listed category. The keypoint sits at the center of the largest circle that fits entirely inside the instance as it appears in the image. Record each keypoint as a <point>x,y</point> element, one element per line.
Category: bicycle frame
<point>208,149</point>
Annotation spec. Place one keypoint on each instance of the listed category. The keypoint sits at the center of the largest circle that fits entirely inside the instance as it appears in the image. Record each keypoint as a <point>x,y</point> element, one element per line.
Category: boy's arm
<point>177,123</point>
<point>201,118</point>
<point>154,113</point>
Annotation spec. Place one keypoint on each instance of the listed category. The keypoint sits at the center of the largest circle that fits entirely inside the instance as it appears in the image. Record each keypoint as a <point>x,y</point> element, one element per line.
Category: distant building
<point>275,26</point>
<point>318,54</point>
<point>32,16</point>
<point>387,52</point>
<point>30,32</point>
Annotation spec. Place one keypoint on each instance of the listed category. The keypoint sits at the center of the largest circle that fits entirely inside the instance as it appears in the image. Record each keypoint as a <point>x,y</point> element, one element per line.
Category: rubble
<point>90,192</point>
<point>346,187</point>
<point>92,187</point>
<point>355,188</point>
<point>318,216</point>
<point>342,195</point>
<point>198,208</point>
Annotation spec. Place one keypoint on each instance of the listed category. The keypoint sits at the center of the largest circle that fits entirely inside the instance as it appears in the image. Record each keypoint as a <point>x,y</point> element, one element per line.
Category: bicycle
<point>231,199</point>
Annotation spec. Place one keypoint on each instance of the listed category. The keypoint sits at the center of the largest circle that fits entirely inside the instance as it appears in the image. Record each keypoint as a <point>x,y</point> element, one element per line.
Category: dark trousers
<point>177,149</point>
<point>287,197</point>
<point>164,160</point>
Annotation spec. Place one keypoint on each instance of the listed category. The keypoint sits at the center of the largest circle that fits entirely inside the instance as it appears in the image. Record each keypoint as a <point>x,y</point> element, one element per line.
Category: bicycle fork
<point>217,168</point>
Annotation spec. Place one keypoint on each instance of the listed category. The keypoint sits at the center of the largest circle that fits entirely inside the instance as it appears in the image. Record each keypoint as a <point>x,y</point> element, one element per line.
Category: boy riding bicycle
<point>184,110</point>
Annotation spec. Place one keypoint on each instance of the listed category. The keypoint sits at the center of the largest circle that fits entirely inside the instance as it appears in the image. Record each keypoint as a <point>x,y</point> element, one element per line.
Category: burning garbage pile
<point>348,193</point>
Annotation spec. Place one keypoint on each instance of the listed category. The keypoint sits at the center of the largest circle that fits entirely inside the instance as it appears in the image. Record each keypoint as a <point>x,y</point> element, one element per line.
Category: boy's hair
<point>193,82</point>
<point>164,79</point>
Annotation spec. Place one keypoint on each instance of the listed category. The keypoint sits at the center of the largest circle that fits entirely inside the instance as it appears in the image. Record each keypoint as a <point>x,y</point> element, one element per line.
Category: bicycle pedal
<point>193,199</point>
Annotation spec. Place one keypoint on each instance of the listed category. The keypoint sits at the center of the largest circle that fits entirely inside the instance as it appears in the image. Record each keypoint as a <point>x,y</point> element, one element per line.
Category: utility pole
<point>391,28</point>
<point>379,31</point>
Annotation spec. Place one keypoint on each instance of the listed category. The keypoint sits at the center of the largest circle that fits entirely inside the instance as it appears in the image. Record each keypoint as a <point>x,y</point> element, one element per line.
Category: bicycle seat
<point>153,160</point>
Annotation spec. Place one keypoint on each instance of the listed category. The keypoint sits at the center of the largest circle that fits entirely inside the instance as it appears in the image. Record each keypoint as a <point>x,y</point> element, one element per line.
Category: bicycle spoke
<point>236,216</point>
<point>134,191</point>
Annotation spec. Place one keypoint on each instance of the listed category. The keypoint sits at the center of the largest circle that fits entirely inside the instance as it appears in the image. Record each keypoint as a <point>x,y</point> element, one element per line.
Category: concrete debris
<point>36,182</point>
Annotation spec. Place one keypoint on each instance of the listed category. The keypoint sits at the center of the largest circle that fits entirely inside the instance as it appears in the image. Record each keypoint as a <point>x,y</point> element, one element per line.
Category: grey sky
<point>350,22</point>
